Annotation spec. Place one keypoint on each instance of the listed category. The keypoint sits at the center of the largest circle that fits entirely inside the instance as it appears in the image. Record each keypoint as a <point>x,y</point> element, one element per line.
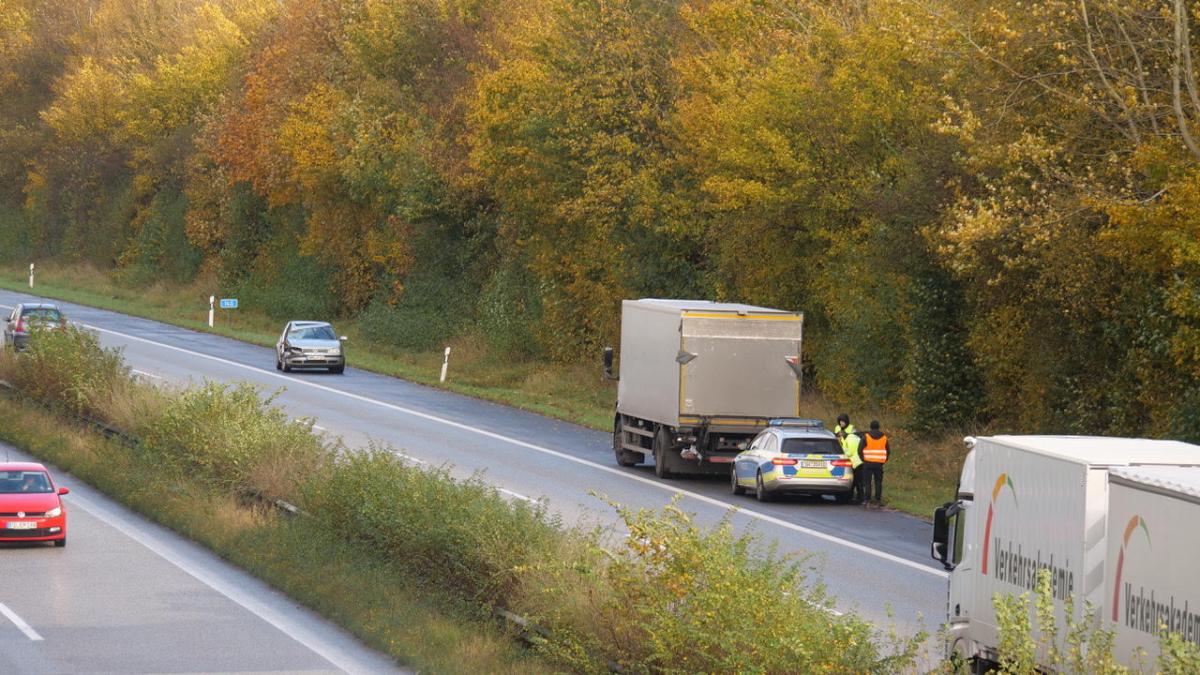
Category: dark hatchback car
<point>25,316</point>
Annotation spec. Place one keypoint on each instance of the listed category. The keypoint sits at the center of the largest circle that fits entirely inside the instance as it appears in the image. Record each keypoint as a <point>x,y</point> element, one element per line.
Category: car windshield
<point>48,314</point>
<point>312,333</point>
<point>12,482</point>
<point>811,446</point>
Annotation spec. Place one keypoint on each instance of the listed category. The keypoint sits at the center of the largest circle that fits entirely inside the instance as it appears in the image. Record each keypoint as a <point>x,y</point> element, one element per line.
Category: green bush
<point>14,235</point>
<point>675,597</point>
<point>160,249</point>
<point>672,597</point>
<point>224,434</point>
<point>1085,649</point>
<point>508,309</point>
<point>68,368</point>
<point>459,534</point>
<point>298,289</point>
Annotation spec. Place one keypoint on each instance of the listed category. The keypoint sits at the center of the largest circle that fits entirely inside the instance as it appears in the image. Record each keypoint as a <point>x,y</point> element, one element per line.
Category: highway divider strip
<point>525,629</point>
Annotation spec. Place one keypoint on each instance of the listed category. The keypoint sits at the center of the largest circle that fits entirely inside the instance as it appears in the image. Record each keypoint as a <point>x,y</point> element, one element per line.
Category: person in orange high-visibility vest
<point>875,453</point>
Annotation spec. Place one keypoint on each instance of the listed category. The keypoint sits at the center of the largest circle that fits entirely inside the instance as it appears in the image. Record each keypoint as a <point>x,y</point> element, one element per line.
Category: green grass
<point>380,602</point>
<point>921,476</point>
<point>668,597</point>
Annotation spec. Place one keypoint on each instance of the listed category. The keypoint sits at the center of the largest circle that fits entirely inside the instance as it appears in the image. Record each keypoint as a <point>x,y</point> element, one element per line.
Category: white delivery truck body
<point>699,378</point>
<point>1152,578</point>
<point>1028,503</point>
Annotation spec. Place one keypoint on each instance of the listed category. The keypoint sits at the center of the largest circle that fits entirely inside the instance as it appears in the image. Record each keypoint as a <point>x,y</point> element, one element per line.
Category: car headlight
<point>54,512</point>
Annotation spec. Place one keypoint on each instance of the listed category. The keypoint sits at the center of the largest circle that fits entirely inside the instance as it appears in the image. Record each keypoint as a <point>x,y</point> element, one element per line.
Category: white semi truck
<point>698,379</point>
<point>1111,519</point>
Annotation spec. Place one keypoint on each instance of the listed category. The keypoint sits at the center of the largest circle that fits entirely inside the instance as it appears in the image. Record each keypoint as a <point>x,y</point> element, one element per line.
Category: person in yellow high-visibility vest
<point>875,453</point>
<point>851,446</point>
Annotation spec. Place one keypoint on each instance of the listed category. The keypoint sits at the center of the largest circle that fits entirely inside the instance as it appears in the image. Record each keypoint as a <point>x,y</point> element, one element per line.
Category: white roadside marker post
<point>445,364</point>
<point>211,300</point>
<point>31,275</point>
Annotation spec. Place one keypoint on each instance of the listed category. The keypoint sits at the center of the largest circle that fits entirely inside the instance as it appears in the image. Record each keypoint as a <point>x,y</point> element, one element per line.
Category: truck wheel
<point>624,457</point>
<point>662,444</point>
<point>733,482</point>
<point>760,490</point>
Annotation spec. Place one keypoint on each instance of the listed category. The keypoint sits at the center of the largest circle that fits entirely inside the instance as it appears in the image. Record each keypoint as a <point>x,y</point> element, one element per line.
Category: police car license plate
<point>21,525</point>
<point>812,464</point>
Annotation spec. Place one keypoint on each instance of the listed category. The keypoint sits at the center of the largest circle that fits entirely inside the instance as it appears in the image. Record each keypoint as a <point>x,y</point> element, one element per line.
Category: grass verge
<point>380,602</point>
<point>440,554</point>
<point>921,476</point>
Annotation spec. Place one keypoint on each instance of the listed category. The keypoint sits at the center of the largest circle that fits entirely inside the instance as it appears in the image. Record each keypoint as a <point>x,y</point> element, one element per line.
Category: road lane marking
<point>305,637</point>
<point>20,623</point>
<point>817,534</point>
<point>318,427</point>
<point>518,495</point>
<point>142,372</point>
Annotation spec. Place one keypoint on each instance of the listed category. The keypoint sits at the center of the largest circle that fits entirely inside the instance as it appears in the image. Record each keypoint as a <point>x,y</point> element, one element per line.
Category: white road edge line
<point>318,427</point>
<point>553,453</point>
<point>518,495</point>
<point>255,607</point>
<point>20,623</point>
<point>142,372</point>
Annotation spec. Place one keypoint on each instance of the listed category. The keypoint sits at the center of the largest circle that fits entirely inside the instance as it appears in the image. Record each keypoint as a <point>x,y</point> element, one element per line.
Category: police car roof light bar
<point>796,422</point>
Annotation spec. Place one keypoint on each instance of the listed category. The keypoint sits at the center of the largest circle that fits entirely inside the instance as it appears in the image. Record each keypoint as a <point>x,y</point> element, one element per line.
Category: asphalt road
<point>875,563</point>
<point>127,596</point>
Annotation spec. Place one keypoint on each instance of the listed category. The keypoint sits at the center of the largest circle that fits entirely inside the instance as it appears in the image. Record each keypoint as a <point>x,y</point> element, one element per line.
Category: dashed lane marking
<point>20,623</point>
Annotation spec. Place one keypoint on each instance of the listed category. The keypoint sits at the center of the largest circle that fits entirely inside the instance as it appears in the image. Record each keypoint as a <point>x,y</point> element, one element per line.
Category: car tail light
<point>20,324</point>
<point>841,462</point>
<point>785,461</point>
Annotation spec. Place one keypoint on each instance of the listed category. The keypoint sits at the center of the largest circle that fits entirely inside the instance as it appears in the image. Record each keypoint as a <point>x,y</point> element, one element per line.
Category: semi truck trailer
<point>699,379</point>
<point>1065,504</point>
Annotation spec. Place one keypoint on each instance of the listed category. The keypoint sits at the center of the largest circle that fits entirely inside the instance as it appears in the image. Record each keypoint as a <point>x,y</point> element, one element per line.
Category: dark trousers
<point>872,473</point>
<point>856,488</point>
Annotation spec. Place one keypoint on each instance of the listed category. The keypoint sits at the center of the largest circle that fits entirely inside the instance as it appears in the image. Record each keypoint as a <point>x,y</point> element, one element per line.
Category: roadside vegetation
<point>1031,633</point>
<point>920,477</point>
<point>986,209</point>
<point>432,557</point>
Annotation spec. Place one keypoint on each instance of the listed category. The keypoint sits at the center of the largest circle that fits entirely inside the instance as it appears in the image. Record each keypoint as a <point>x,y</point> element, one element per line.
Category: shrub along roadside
<point>920,477</point>
<point>675,594</point>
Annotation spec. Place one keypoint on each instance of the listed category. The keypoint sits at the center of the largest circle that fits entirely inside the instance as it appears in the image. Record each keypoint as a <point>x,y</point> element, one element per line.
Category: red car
<point>30,505</point>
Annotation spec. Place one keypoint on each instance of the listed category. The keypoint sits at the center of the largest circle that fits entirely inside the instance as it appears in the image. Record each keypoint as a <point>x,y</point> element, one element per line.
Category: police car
<point>793,456</point>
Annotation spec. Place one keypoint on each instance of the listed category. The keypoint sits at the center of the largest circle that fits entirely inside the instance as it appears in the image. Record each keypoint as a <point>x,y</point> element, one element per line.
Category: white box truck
<point>1028,503</point>
<point>698,379</point>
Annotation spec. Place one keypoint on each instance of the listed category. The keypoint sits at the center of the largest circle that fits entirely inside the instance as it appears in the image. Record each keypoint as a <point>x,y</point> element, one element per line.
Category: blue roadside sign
<point>228,303</point>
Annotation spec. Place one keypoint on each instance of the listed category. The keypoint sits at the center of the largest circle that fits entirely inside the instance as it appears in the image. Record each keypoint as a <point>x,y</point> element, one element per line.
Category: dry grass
<point>420,625</point>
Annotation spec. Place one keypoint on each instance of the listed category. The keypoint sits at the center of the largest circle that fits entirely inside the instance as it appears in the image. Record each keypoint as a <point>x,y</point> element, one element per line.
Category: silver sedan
<point>310,344</point>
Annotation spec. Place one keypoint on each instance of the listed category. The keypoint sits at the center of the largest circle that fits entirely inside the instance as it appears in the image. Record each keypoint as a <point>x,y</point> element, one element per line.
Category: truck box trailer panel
<point>738,365</point>
<point>1153,549</point>
<point>650,339</point>
<point>705,359</point>
<point>1107,451</point>
<point>1031,514</point>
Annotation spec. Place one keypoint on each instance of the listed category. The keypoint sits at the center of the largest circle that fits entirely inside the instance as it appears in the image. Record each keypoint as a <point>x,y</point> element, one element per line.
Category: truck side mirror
<point>608,364</point>
<point>941,535</point>
<point>939,549</point>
